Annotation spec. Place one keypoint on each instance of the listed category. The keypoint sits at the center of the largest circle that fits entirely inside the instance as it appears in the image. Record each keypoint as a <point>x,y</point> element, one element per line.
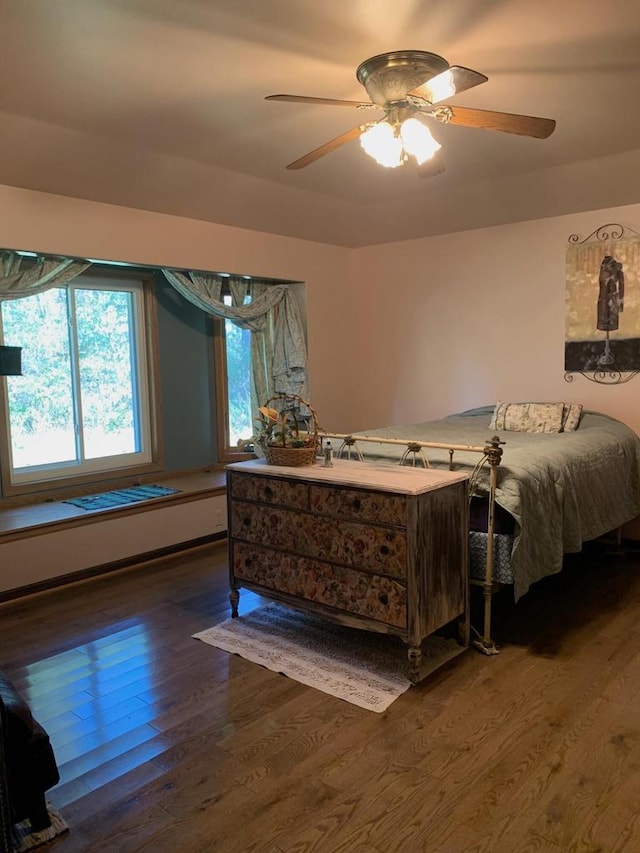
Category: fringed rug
<point>361,667</point>
<point>24,839</point>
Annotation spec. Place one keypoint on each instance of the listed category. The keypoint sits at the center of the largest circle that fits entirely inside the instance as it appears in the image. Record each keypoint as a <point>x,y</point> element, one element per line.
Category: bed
<point>535,495</point>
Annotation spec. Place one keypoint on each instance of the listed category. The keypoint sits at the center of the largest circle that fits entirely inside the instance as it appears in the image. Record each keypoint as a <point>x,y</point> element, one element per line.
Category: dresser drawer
<point>373,596</point>
<point>378,549</point>
<point>359,504</point>
<point>270,490</point>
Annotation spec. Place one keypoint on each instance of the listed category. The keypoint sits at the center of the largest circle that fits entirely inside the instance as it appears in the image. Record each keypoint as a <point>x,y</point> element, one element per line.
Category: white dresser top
<point>386,477</point>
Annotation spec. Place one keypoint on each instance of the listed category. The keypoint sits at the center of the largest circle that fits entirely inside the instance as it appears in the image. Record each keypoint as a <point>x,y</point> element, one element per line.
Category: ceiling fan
<point>409,85</point>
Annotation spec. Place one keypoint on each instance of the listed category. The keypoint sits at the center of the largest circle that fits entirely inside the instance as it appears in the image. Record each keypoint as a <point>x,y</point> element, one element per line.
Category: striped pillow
<point>571,416</point>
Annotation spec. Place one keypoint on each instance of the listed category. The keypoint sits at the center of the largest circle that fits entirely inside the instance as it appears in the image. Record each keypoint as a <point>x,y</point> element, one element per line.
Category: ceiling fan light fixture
<point>390,144</point>
<point>381,143</point>
<point>407,82</point>
<point>417,140</point>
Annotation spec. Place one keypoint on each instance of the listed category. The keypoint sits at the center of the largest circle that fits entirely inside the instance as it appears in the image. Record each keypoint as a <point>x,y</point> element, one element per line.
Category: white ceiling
<point>159,104</point>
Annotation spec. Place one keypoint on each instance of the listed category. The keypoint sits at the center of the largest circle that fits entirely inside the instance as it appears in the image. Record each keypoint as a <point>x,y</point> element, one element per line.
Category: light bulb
<point>381,143</point>
<point>417,140</point>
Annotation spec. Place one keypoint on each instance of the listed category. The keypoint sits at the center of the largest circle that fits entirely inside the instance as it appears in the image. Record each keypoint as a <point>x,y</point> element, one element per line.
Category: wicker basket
<point>280,454</point>
<point>290,456</point>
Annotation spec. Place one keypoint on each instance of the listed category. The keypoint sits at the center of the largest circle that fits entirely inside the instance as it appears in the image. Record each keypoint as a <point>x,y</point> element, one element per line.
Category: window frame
<point>48,485</point>
<point>226,452</point>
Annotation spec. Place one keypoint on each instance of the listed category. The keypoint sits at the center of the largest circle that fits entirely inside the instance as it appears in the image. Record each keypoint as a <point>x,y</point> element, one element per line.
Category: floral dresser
<point>380,547</point>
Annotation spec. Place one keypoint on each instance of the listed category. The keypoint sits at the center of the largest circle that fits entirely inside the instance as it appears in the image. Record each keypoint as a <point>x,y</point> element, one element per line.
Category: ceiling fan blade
<point>431,167</point>
<point>327,148</point>
<point>539,128</point>
<point>455,79</point>
<point>303,99</point>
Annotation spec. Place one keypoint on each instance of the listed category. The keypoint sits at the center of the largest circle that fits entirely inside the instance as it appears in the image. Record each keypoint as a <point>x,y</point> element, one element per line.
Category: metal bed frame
<point>414,454</point>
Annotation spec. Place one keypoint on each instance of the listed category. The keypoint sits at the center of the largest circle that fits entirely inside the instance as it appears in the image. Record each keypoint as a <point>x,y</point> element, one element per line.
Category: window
<point>238,348</point>
<point>237,365</point>
<point>233,386</point>
<point>82,406</point>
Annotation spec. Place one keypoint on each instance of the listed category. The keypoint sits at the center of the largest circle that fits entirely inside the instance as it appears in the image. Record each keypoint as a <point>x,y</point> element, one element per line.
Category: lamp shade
<point>381,143</point>
<point>417,140</point>
<point>389,144</point>
<point>10,361</point>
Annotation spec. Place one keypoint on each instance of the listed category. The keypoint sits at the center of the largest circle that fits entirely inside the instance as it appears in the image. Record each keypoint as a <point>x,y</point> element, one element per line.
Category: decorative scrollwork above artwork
<point>603,377</point>
<point>610,231</point>
<point>607,233</point>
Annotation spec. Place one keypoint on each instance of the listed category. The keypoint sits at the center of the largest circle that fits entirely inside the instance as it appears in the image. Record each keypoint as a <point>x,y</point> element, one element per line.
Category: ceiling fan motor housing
<point>388,77</point>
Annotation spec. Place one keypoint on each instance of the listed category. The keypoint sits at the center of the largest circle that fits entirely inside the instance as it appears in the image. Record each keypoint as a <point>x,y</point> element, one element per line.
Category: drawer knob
<point>357,504</point>
<point>384,550</point>
<point>246,521</point>
<point>383,598</point>
<point>268,492</point>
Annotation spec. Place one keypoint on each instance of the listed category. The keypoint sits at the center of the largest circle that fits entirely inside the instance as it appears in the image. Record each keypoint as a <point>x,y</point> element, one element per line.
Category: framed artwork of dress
<point>602,297</point>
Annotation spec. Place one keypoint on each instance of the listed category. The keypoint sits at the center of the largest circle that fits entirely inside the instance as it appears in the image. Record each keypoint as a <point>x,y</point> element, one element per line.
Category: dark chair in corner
<point>6,819</point>
<point>28,766</point>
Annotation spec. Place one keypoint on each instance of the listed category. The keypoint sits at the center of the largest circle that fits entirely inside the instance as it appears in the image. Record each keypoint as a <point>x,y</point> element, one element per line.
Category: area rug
<point>361,667</point>
<point>24,839</point>
<point>121,497</point>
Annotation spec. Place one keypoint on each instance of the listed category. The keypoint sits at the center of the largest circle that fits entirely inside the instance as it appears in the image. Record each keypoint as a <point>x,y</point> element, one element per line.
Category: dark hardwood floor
<point>167,744</point>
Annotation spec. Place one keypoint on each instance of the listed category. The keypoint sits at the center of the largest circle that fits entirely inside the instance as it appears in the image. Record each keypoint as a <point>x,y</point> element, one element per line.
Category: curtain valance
<point>279,357</point>
<point>37,276</point>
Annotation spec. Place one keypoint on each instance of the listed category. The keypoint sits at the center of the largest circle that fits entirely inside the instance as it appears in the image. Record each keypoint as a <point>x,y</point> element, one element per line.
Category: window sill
<point>19,522</point>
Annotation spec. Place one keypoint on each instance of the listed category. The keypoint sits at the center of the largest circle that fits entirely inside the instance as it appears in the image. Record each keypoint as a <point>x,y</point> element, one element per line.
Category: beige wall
<point>465,319</point>
<point>397,333</point>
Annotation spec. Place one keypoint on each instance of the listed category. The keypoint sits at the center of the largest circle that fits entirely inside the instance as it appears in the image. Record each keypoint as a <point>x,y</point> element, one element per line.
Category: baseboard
<point>106,568</point>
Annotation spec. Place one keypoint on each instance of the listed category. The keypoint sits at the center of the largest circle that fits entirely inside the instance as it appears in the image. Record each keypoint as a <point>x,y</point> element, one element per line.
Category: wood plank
<point>168,744</point>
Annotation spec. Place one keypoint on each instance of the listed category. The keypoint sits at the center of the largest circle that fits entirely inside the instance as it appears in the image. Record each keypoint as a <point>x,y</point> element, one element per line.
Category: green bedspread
<point>562,489</point>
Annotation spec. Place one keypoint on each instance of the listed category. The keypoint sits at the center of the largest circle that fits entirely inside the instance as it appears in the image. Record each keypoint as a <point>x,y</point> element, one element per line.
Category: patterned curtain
<point>38,276</point>
<point>278,347</point>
